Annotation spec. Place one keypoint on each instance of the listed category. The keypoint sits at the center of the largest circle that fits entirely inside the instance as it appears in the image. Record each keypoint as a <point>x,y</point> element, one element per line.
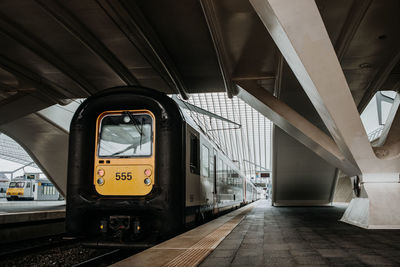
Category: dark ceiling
<point>55,50</point>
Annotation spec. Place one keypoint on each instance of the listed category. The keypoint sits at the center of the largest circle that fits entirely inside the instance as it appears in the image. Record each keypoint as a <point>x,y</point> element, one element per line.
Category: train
<point>31,187</point>
<point>140,169</point>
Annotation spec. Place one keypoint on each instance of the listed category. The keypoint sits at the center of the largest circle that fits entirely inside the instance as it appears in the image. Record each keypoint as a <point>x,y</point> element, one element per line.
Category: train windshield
<point>16,185</point>
<point>126,135</point>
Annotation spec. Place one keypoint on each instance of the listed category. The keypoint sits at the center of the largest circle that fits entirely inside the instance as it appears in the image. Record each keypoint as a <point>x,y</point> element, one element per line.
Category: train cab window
<point>194,154</point>
<point>205,164</point>
<point>126,135</point>
<point>16,185</point>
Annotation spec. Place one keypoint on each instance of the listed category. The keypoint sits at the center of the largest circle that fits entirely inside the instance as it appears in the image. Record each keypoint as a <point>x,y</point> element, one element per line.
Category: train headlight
<point>127,119</point>
<point>147,172</point>
<point>147,181</point>
<point>101,172</point>
<point>100,181</point>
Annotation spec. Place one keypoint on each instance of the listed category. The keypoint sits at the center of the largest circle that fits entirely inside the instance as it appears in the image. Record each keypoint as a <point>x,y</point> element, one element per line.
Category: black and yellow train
<point>139,168</point>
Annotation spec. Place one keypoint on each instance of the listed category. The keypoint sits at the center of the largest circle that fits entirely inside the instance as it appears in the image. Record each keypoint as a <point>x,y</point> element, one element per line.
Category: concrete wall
<point>300,177</point>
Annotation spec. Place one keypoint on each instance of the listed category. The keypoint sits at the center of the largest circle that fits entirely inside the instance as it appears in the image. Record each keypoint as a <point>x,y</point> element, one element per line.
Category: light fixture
<point>100,181</point>
<point>147,172</point>
<point>147,181</point>
<point>101,172</point>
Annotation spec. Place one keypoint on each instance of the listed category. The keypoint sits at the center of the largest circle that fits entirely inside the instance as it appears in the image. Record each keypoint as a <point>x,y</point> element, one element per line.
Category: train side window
<point>220,169</point>
<point>225,173</point>
<point>28,185</point>
<point>205,163</point>
<point>194,154</point>
<point>34,187</point>
<point>228,174</point>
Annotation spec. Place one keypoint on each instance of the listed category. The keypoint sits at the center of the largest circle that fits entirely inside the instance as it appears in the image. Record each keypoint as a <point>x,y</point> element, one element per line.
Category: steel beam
<point>42,50</point>
<point>295,125</point>
<point>21,105</point>
<point>46,88</point>
<point>85,36</point>
<point>220,49</point>
<point>130,20</point>
<point>299,32</point>
<point>350,26</point>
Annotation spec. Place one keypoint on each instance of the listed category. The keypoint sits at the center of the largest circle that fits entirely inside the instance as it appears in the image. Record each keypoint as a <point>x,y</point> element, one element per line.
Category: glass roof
<point>12,151</point>
<point>249,145</point>
<point>376,113</point>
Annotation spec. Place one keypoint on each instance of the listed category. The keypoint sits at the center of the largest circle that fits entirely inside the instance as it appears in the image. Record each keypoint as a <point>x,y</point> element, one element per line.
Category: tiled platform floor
<point>309,236</point>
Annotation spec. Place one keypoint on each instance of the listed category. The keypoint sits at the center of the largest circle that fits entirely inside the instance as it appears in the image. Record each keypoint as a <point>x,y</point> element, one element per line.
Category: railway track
<point>107,258</point>
<point>10,250</point>
<point>16,227</point>
<point>58,251</point>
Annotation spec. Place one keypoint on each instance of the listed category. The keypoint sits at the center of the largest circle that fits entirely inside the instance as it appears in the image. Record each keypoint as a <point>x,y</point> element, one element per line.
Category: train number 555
<point>123,176</point>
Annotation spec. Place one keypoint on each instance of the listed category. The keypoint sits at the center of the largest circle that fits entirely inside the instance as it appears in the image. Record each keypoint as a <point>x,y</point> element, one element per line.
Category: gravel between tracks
<point>64,255</point>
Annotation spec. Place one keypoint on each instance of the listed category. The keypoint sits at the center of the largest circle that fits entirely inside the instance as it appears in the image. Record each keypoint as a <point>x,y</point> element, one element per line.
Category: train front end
<point>125,169</point>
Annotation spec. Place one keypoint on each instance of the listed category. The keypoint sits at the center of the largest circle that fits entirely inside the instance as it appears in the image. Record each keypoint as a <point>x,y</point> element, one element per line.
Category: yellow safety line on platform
<point>194,255</point>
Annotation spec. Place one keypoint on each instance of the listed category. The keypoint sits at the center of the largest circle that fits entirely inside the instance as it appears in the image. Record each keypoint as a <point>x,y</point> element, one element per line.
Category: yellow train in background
<point>29,187</point>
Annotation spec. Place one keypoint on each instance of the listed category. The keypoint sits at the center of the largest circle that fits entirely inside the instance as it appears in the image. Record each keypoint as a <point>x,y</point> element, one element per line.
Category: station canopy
<point>12,151</point>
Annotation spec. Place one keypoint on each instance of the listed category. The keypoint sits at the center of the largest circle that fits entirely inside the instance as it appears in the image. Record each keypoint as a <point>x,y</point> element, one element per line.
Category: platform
<point>24,206</point>
<point>29,211</point>
<point>277,236</point>
<point>190,248</point>
<point>20,220</point>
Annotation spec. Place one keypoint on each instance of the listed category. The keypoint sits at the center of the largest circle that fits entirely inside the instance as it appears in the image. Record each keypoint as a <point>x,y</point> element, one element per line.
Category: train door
<point>28,190</point>
<point>214,167</point>
<point>35,190</point>
<point>193,168</point>
<point>206,174</point>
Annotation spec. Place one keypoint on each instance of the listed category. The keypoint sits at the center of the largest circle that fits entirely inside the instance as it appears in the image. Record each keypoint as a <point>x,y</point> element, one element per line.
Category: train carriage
<point>139,169</point>
<point>30,187</point>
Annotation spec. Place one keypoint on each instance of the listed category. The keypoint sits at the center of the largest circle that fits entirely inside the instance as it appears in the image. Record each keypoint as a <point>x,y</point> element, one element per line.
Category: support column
<point>46,144</point>
<point>297,28</point>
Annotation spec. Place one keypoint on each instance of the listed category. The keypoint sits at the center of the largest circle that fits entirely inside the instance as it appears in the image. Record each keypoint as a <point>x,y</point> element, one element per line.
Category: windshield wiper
<point>123,150</point>
<point>141,135</point>
<point>135,123</point>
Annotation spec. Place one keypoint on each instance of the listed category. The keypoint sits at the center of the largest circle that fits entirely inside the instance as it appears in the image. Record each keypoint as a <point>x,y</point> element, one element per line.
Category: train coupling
<point>121,223</point>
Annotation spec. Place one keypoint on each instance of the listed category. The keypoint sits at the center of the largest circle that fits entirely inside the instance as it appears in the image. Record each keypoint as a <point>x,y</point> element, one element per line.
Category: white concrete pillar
<point>297,28</point>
